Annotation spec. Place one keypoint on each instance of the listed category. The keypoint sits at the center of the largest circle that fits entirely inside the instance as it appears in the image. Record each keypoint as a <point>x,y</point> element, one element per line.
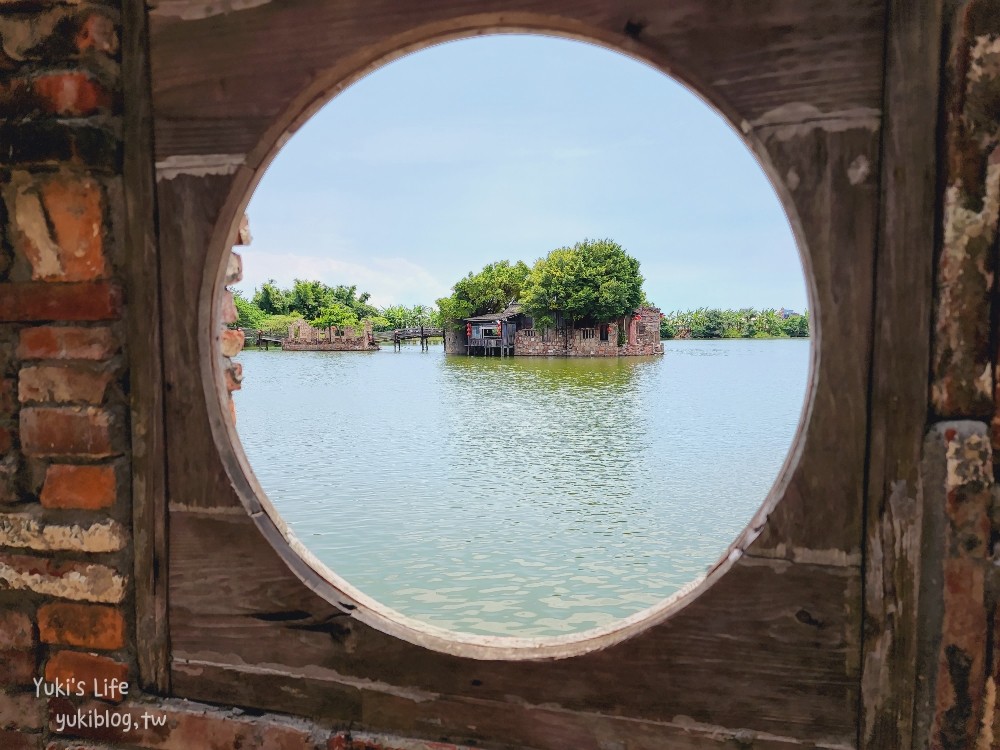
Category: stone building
<point>859,608</point>
<point>511,332</point>
<point>303,337</point>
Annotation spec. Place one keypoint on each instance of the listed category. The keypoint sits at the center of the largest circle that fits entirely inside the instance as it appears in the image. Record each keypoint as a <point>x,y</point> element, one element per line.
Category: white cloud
<point>389,280</point>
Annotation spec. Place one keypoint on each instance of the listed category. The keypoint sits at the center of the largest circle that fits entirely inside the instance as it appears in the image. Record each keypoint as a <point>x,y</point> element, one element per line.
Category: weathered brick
<point>232,340</point>
<point>17,668</point>
<point>234,269</point>
<point>71,94</point>
<point>6,439</point>
<point>14,740</point>
<point>7,399</point>
<point>75,208</point>
<point>69,342</point>
<point>44,142</point>
<point>57,31</point>
<point>89,669</point>
<point>21,711</point>
<point>228,308</point>
<point>23,531</point>
<point>59,225</point>
<point>9,484</point>
<point>233,374</point>
<point>85,487</point>
<point>32,301</point>
<point>97,32</point>
<point>243,236</point>
<point>86,625</point>
<point>62,384</point>
<point>66,431</point>
<point>16,631</point>
<point>88,582</point>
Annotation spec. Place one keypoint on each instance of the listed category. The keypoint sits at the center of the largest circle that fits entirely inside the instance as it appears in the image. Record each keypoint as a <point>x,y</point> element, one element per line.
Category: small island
<point>581,301</point>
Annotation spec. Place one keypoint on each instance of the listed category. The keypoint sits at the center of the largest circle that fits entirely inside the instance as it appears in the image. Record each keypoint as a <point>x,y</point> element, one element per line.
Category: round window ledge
<point>317,576</point>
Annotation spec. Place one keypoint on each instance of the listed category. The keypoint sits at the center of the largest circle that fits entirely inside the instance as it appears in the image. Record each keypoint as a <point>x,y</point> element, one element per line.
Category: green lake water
<point>521,496</point>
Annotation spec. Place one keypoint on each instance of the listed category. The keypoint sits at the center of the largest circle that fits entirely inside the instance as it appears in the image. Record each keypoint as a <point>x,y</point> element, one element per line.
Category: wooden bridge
<point>262,338</point>
<point>397,336</point>
<point>405,334</point>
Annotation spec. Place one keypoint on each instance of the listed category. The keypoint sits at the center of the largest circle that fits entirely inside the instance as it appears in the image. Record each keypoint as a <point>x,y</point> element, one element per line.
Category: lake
<point>521,496</point>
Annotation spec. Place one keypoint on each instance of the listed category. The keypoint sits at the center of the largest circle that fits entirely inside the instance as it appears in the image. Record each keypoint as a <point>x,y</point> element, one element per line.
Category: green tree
<point>796,326</point>
<point>767,324</point>
<point>488,291</point>
<point>396,316</point>
<point>309,297</point>
<point>335,314</point>
<point>556,288</point>
<point>250,316</point>
<point>614,278</point>
<point>272,300</point>
<point>277,325</point>
<point>594,279</point>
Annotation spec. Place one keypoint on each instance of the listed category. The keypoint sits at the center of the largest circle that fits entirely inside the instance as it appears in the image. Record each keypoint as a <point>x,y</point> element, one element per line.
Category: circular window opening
<point>494,485</point>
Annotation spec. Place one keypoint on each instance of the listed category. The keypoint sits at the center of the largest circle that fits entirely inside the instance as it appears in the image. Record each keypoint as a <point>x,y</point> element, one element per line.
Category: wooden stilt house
<point>493,334</point>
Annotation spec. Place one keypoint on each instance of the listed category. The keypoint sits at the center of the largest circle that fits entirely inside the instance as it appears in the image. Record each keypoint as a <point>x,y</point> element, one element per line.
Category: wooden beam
<point>144,321</point>
<point>899,375</point>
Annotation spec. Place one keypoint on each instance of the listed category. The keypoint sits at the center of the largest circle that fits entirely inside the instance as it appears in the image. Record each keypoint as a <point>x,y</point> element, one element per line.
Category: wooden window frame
<point>790,591</point>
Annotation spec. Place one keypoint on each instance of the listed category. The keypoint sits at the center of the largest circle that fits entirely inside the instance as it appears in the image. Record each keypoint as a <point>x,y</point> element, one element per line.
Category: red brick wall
<point>64,476</point>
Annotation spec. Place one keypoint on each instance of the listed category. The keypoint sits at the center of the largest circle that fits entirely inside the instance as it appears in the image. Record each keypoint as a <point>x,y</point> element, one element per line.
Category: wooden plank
<point>901,352</point>
<point>482,723</point>
<point>771,648</point>
<point>189,207</point>
<point>148,459</point>
<point>817,514</point>
<point>247,70</point>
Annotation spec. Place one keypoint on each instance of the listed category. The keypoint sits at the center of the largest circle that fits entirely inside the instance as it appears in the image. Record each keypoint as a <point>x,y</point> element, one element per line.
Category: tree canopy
<point>488,291</point>
<point>273,309</point>
<point>594,279</point>
<point>713,323</point>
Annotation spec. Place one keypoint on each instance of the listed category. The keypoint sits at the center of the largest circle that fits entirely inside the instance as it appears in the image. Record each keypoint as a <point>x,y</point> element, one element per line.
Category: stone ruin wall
<point>553,343</point>
<point>310,339</point>
<point>454,341</point>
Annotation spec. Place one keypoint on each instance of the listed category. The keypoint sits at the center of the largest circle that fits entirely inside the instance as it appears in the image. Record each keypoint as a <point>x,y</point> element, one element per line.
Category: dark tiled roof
<point>512,310</point>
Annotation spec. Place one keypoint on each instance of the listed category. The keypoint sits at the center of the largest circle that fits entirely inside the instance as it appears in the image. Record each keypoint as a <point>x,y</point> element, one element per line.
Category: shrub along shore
<point>746,323</point>
<point>272,309</point>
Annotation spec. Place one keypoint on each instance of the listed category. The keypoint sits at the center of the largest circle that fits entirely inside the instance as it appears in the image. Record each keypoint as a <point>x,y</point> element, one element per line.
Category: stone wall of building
<point>642,339</point>
<point>303,337</point>
<point>454,341</point>
<point>644,334</point>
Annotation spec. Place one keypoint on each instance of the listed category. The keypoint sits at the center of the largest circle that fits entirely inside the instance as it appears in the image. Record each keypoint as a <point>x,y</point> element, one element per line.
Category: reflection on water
<point>521,496</point>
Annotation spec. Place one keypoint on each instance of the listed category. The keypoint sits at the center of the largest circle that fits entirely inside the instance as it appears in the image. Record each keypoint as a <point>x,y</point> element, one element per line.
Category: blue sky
<point>506,147</point>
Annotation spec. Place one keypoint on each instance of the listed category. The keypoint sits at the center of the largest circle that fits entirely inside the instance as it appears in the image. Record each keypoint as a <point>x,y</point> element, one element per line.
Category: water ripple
<point>523,496</point>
